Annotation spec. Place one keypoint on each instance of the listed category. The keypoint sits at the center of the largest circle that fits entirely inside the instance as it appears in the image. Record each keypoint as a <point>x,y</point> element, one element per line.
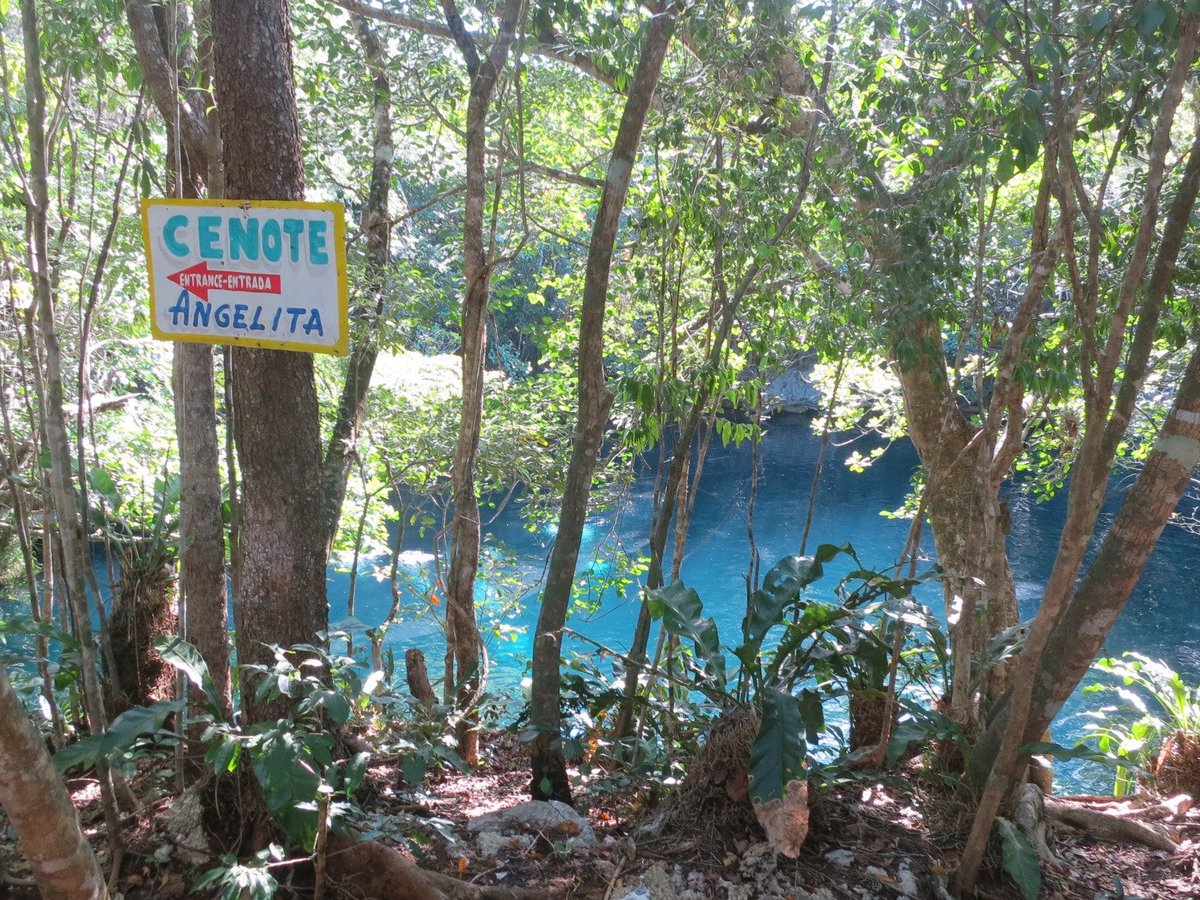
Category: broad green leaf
<point>812,714</point>
<point>1020,861</point>
<point>782,587</point>
<point>101,482</point>
<point>1066,754</point>
<point>777,755</point>
<point>187,659</point>
<point>680,609</point>
<point>333,702</point>
<point>121,735</point>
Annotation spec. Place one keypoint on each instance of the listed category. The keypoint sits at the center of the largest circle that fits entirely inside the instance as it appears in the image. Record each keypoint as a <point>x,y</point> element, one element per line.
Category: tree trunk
<point>377,226</point>
<point>462,629</point>
<point>205,606</point>
<point>964,514</point>
<point>998,757</point>
<point>41,811</point>
<point>549,773</point>
<point>281,583</point>
<point>62,488</point>
<point>1109,581</point>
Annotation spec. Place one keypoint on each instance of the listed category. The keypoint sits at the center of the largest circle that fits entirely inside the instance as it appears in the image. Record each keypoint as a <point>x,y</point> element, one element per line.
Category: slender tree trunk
<point>41,811</point>
<point>191,141</point>
<point>281,588</point>
<point>549,774</point>
<point>998,759</point>
<point>462,629</point>
<point>62,487</point>
<point>205,605</point>
<point>377,226</point>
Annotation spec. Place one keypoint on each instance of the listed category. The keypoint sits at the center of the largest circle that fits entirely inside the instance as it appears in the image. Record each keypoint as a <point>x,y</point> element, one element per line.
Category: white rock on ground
<point>556,821</point>
<point>842,858</point>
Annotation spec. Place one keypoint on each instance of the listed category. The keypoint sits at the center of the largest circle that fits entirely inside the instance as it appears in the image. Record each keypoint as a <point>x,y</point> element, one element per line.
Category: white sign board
<point>256,273</point>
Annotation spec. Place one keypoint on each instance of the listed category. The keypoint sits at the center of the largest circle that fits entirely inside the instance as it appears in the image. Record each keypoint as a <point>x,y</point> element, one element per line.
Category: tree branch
<point>163,83</point>
<point>550,44</point>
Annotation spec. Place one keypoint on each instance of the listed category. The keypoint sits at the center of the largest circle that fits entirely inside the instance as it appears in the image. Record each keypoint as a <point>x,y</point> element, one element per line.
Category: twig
<point>615,875</point>
<point>319,853</point>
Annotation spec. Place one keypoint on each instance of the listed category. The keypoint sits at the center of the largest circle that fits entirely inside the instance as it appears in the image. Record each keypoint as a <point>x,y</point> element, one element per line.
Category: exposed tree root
<point>1030,817</point>
<point>1107,826</point>
<point>369,870</point>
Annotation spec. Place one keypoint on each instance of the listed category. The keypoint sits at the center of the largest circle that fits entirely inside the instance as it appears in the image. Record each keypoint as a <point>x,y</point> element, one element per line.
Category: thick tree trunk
<point>549,774</point>
<point>281,584</point>
<point>41,811</point>
<point>377,226</point>
<point>462,629</point>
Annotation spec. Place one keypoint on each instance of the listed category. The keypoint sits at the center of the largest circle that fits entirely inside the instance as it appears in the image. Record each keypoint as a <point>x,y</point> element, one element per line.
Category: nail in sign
<point>255,273</point>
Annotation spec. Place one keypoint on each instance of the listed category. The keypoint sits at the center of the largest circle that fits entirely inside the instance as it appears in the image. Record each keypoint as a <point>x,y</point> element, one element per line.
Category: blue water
<point>1159,620</point>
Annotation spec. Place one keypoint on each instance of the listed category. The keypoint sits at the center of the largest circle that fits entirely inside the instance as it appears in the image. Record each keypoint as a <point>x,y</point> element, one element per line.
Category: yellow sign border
<point>341,348</point>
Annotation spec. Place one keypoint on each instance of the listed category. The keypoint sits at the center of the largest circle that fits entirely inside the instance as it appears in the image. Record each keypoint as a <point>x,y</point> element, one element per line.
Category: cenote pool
<point>1160,620</point>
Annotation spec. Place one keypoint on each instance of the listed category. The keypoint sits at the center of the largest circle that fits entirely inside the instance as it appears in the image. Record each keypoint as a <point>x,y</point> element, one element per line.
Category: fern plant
<point>1156,723</point>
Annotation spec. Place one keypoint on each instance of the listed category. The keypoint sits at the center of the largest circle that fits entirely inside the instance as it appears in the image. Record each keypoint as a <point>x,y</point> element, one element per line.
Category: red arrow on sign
<point>200,279</point>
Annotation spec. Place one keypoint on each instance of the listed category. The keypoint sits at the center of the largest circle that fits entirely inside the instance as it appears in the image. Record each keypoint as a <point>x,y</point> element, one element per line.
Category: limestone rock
<point>793,391</point>
<point>554,820</point>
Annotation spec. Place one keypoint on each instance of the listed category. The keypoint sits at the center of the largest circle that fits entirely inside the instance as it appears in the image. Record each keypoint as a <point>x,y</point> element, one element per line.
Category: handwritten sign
<point>255,273</point>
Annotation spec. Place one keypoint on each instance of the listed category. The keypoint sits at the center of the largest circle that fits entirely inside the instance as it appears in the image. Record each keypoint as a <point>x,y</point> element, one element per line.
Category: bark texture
<point>201,531</point>
<point>62,485</point>
<point>1092,608</point>
<point>202,538</point>
<point>40,810</point>
<point>281,582</point>
<point>549,774</point>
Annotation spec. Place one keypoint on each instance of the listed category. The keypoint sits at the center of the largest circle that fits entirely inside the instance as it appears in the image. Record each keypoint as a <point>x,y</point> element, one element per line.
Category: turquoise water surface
<point>1160,619</point>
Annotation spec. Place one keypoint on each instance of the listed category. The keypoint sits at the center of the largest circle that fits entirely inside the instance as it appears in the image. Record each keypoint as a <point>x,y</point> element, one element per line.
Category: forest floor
<point>894,837</point>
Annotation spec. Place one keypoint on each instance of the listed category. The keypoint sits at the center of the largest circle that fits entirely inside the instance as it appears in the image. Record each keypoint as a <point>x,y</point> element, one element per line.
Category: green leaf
<point>1152,16</point>
<point>413,767</point>
<point>680,609</point>
<point>121,735</point>
<point>356,770</point>
<point>187,659</point>
<point>1099,21</point>
<point>223,755</point>
<point>777,755</point>
<point>333,702</point>
<point>812,714</point>
<point>1066,754</point>
<point>782,586</point>
<point>101,482</point>
<point>1020,860</point>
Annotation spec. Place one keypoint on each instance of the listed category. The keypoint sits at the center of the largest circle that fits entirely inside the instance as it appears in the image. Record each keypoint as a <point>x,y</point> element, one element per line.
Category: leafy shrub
<point>1157,704</point>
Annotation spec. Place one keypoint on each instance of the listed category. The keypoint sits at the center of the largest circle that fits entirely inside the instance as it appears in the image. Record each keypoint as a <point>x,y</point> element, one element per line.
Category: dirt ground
<point>897,837</point>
